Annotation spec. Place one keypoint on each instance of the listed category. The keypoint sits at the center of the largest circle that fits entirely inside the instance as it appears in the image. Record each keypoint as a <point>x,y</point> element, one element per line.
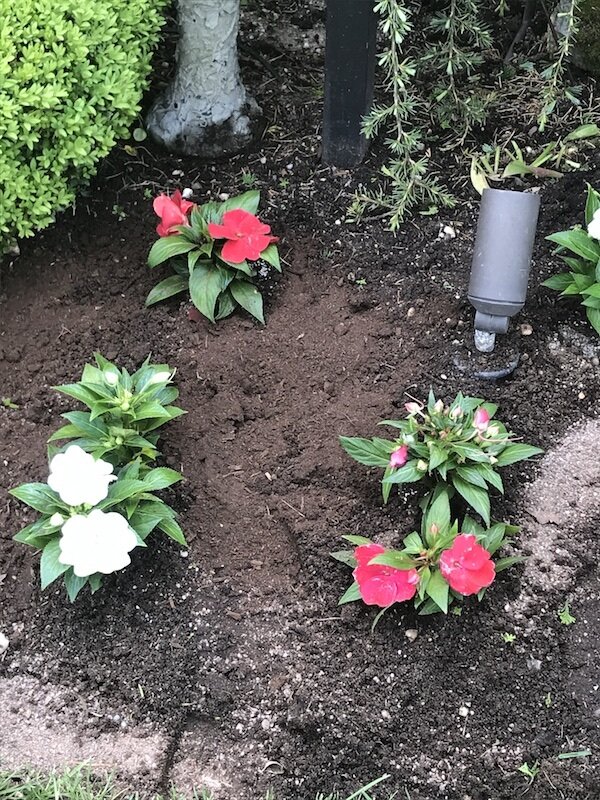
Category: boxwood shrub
<point>71,79</point>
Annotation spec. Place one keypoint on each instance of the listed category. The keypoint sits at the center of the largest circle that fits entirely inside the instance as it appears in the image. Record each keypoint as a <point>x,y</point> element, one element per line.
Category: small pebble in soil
<point>3,643</point>
<point>411,634</point>
<point>447,232</point>
<point>410,313</point>
<point>526,329</point>
<point>463,711</point>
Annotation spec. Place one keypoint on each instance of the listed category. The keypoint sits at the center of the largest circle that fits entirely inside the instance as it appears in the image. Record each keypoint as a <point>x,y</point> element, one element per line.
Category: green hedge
<point>72,74</point>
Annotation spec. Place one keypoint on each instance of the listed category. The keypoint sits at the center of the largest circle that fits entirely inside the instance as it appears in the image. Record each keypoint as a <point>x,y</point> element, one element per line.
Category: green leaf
<point>578,242</point>
<point>66,432</point>
<point>509,561</point>
<point>346,557</point>
<point>471,474</point>
<point>438,590</point>
<point>249,201</point>
<point>271,256</point>
<point>470,452</point>
<point>94,430</point>
<point>386,488</point>
<point>592,204</point>
<point>517,452</point>
<point>248,296</point>
<point>226,305</point>
<point>167,247</point>
<point>160,478</point>
<point>169,526</point>
<point>37,495</point>
<point>73,585</point>
<point>121,490</point>
<point>167,288</point>
<point>78,392</point>
<point>401,424</point>
<point>351,594</point>
<point>494,537</point>
<point>491,476</point>
<point>438,513</point>
<point>406,474</point>
<point>476,497</point>
<point>151,410</point>
<point>437,456</point>
<point>413,543</point>
<point>357,540</point>
<point>591,302</point>
<point>429,607</point>
<point>206,284</point>
<point>365,451</point>
<point>395,559</point>
<point>50,566</point>
<point>559,282</point>
<point>593,315</point>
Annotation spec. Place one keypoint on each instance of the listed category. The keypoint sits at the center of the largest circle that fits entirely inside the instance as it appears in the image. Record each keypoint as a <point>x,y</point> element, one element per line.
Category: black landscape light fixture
<point>501,261</point>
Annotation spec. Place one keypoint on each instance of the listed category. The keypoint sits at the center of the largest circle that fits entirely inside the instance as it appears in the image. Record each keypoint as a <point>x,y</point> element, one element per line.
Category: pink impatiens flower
<point>380,585</point>
<point>481,419</point>
<point>172,212</point>
<point>399,456</point>
<point>467,566</point>
<point>246,236</point>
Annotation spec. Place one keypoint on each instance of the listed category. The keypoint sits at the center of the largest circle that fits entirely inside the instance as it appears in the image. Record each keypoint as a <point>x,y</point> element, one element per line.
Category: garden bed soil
<point>228,664</point>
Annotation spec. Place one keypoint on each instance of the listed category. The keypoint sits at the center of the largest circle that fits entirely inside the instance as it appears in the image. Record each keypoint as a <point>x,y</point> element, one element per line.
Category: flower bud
<point>111,377</point>
<point>408,439</point>
<point>493,430</point>
<point>399,457</point>
<point>434,530</point>
<point>438,407</point>
<point>159,377</point>
<point>422,465</point>
<point>493,460</point>
<point>119,440</point>
<point>125,405</point>
<point>456,413</point>
<point>56,520</point>
<point>481,419</point>
<point>412,408</point>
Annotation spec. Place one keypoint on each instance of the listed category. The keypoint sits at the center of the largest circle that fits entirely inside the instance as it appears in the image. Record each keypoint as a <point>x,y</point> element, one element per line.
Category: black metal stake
<point>350,47</point>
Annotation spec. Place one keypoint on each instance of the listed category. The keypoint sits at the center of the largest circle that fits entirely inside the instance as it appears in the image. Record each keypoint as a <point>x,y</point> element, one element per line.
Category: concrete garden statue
<point>205,110</point>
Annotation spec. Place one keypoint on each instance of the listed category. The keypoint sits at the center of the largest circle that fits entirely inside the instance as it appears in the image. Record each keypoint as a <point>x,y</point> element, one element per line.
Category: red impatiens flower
<point>380,585</point>
<point>467,566</point>
<point>246,236</point>
<point>399,456</point>
<point>172,212</point>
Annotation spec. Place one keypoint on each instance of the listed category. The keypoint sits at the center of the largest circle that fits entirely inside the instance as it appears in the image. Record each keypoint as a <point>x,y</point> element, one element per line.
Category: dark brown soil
<point>239,640</point>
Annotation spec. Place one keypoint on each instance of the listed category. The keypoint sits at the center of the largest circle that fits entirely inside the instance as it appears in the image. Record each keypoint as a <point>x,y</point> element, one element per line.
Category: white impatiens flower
<point>593,228</point>
<point>98,542</point>
<point>79,478</point>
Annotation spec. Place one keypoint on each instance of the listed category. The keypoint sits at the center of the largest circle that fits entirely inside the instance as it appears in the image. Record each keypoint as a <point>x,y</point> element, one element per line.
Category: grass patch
<point>79,784</point>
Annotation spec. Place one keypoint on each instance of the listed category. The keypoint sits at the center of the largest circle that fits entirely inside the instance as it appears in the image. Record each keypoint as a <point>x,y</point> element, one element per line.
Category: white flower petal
<point>594,226</point>
<point>98,542</point>
<point>79,478</point>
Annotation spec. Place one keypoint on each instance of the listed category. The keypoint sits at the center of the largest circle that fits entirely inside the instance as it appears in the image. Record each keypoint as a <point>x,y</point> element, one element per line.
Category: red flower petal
<point>234,251</point>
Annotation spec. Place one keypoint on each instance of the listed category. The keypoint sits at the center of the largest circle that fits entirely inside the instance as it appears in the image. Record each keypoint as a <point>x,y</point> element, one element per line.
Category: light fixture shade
<point>502,256</point>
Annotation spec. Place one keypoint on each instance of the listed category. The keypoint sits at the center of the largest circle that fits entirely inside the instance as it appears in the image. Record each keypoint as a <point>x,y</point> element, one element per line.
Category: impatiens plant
<point>125,411</point>
<point>583,261</point>
<point>216,251</point>
<point>459,444</point>
<point>92,516</point>
<point>442,564</point>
